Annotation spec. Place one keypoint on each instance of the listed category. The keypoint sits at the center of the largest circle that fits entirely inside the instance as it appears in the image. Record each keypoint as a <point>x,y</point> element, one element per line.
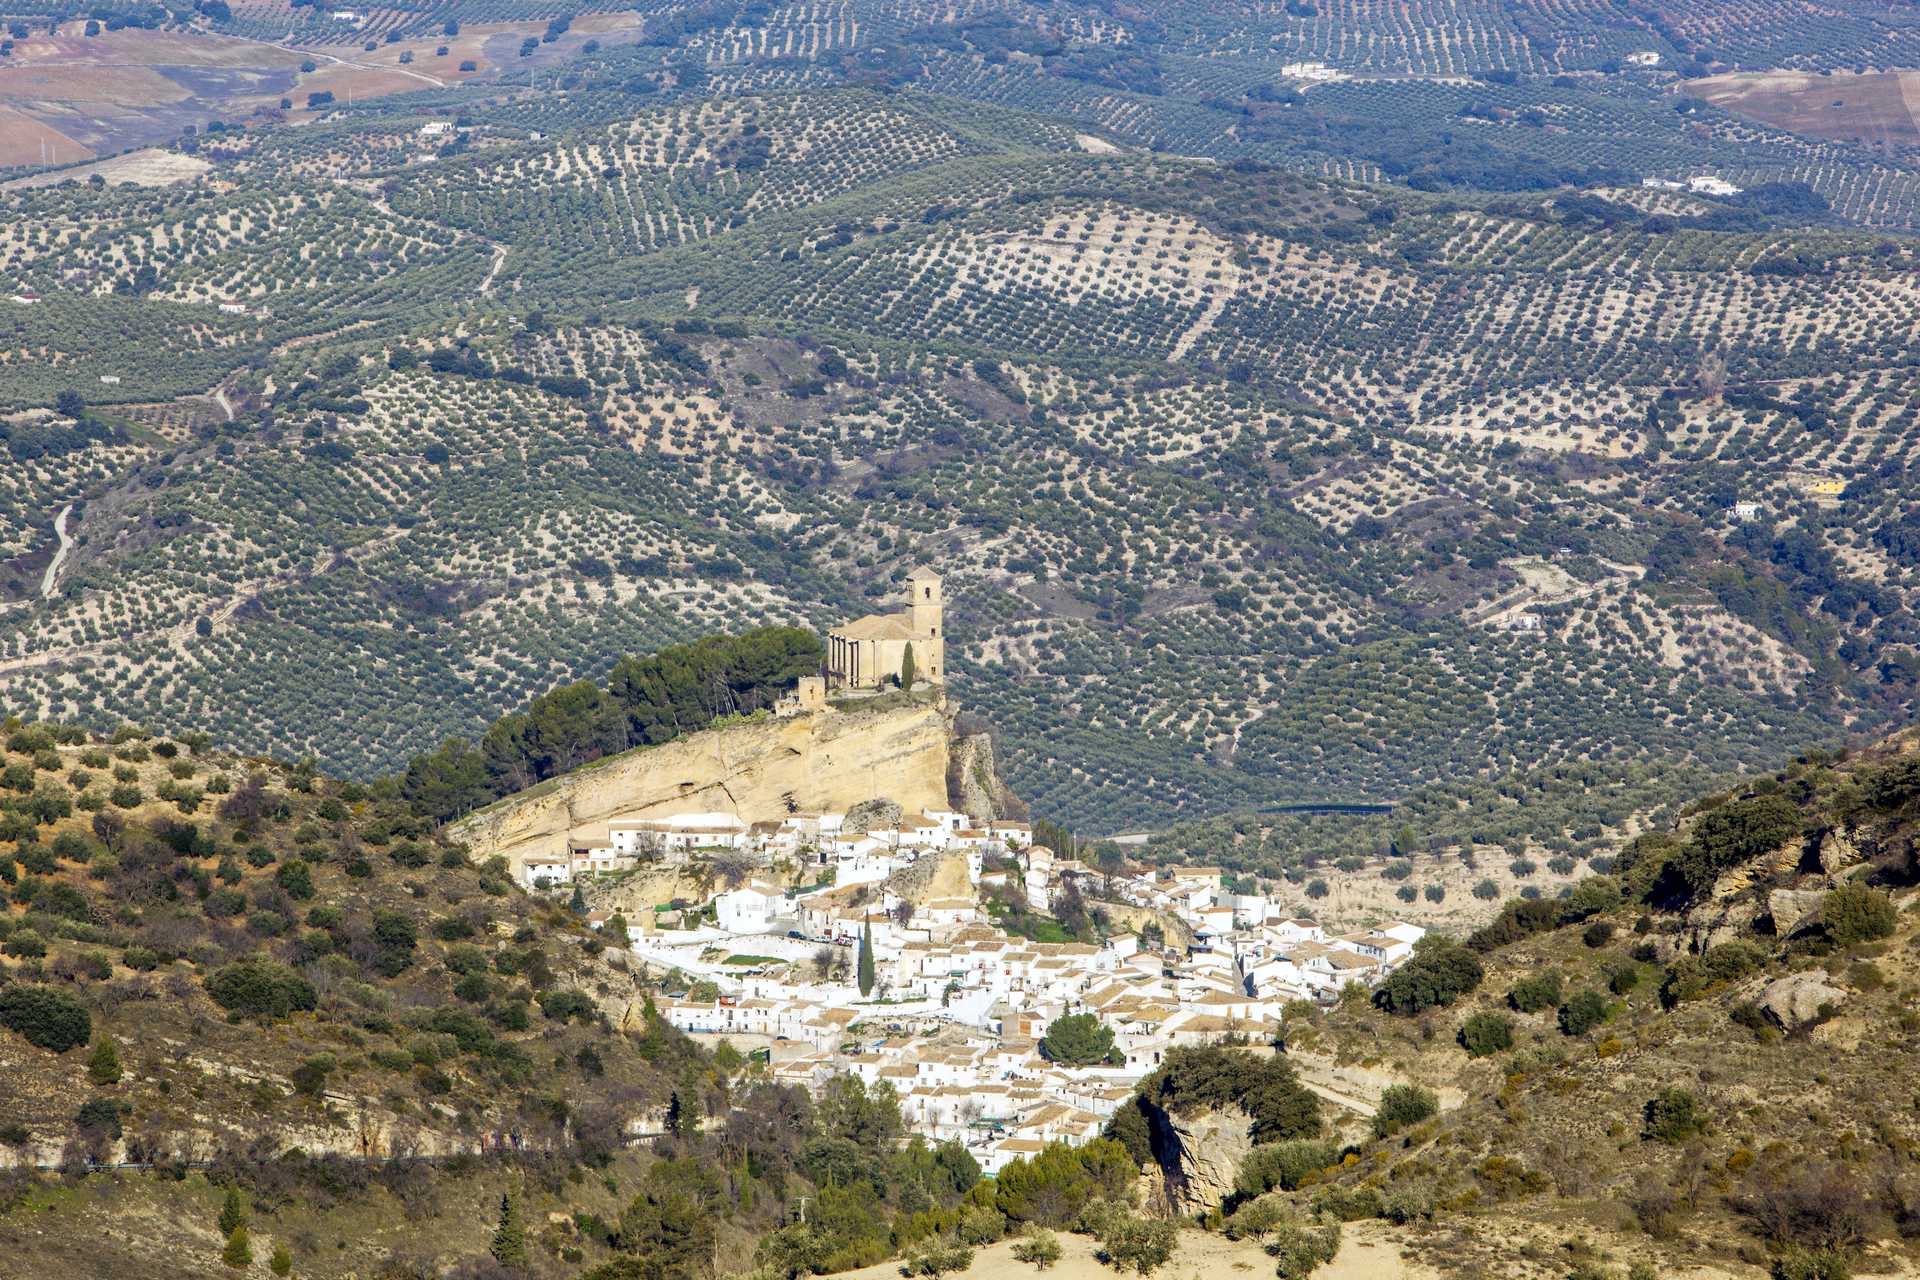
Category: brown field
<point>21,136</point>
<point>91,83</point>
<point>1876,108</point>
<point>135,48</point>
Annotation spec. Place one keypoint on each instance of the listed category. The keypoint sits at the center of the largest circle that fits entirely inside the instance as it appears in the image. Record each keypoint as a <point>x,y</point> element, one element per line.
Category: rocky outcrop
<point>763,769</point>
<point>1720,920</point>
<point>973,781</point>
<point>1800,999</point>
<point>1838,850</point>
<point>1794,909</point>
<point>869,814</point>
<point>1199,1156</point>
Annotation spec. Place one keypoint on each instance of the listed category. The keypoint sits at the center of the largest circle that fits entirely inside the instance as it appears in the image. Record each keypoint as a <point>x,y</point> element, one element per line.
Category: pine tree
<point>510,1238</point>
<point>239,1251</point>
<point>233,1212</point>
<point>104,1066</point>
<point>866,961</point>
<point>281,1263</point>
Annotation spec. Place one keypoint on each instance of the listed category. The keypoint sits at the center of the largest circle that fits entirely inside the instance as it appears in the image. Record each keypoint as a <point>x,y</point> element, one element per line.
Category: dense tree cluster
<point>647,700</point>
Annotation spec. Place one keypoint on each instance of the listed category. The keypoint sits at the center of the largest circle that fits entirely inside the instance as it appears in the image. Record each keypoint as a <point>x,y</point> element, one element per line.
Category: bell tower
<point>924,599</point>
<point>926,605</point>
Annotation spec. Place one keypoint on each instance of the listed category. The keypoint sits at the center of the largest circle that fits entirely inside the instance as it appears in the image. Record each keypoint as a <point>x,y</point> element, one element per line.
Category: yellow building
<point>869,652</point>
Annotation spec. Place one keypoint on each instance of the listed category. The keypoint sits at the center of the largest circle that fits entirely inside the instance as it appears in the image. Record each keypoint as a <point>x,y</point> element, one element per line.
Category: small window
<point>929,591</point>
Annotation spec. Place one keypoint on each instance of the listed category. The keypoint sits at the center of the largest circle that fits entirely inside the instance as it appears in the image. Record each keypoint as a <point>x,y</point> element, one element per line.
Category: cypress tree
<point>233,1212</point>
<point>676,1115</point>
<point>866,961</point>
<point>104,1066</point>
<point>510,1238</point>
<point>907,671</point>
<point>239,1251</point>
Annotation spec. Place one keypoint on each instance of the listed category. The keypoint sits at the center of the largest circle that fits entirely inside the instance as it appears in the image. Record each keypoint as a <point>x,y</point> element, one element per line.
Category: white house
<point>544,872</point>
<point>748,909</point>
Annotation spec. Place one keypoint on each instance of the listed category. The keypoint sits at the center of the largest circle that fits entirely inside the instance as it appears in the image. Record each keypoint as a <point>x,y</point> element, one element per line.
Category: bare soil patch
<point>1876,108</point>
<point>152,167</point>
<point>21,137</point>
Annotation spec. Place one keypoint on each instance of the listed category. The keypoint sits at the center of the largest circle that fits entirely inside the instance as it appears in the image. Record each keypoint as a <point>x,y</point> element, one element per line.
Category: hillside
<point>1689,1065</point>
<point>1235,473</point>
<point>244,975</point>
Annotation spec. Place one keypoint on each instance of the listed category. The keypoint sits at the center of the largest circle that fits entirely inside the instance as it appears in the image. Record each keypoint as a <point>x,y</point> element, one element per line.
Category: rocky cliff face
<point>1199,1157</point>
<point>827,761</point>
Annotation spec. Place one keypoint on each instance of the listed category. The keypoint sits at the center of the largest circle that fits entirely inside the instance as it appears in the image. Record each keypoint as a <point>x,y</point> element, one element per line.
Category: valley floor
<point>1369,1250</point>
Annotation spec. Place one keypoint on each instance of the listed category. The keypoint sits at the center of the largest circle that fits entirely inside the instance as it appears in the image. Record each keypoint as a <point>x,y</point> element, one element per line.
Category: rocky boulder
<point>1794,909</point>
<point>1838,850</point>
<point>1799,999</point>
<point>1720,920</point>
<point>869,814</point>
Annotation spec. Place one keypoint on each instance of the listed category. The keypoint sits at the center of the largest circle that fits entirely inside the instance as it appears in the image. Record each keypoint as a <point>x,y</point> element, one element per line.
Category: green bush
<point>1402,1105</point>
<point>1039,1248</point>
<point>1583,1013</point>
<point>1855,913</point>
<point>261,988</point>
<point>1282,1165</point>
<point>1129,1242</point>
<point>45,1017</point>
<point>1438,974</point>
<point>1299,1249</point>
<point>1535,992</point>
<point>1673,1115</point>
<point>1486,1033</point>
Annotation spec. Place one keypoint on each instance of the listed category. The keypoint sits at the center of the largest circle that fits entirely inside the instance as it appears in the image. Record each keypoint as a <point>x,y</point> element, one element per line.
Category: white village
<point>921,951</point>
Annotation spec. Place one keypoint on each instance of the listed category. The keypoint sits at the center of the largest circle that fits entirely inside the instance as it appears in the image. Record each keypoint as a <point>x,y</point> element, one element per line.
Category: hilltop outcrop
<point>826,761</point>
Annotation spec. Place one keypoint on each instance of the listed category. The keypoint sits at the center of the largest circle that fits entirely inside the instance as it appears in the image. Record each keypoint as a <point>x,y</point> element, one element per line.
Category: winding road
<point>49,583</point>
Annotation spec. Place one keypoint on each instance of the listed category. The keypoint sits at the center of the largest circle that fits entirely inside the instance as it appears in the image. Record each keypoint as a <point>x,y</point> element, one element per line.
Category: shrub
<point>1436,976</point>
<point>1813,1264</point>
<point>1855,913</point>
<point>979,1225</point>
<point>1535,992</point>
<point>1255,1218</point>
<point>937,1257</point>
<point>1282,1165</point>
<point>1298,1249</point>
<point>1598,934</point>
<point>1486,1033</point>
<point>1039,1247</point>
<point>1583,1013</point>
<point>1129,1242</point>
<point>261,988</point>
<point>296,878</point>
<point>45,1017</point>
<point>1673,1116</point>
<point>1402,1105</point>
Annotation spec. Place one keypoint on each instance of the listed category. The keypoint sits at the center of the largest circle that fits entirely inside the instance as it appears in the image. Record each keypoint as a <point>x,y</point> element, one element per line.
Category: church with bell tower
<point>874,651</point>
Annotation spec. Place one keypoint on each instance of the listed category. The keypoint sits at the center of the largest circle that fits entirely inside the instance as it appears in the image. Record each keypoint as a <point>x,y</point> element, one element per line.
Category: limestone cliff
<point>827,760</point>
<point>1199,1157</point>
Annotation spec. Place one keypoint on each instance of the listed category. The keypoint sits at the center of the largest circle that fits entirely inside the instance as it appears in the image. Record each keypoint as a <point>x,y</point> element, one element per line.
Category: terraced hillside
<point>1251,487</point>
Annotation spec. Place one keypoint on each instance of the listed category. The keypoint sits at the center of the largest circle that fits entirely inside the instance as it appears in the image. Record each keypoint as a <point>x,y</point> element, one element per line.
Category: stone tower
<point>927,605</point>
